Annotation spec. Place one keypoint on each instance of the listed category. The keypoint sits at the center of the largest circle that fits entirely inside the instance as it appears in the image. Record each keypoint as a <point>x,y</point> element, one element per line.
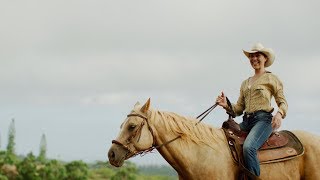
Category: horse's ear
<point>146,106</point>
<point>137,104</point>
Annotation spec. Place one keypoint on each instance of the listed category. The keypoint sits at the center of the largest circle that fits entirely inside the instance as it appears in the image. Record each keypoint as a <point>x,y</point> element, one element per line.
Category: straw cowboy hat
<point>258,47</point>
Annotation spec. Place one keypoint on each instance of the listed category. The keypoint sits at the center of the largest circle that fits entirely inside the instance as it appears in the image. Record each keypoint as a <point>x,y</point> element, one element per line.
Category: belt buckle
<point>249,115</point>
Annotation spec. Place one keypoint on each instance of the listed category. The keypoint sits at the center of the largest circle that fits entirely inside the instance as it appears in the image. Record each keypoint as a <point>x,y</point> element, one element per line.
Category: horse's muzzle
<point>116,156</point>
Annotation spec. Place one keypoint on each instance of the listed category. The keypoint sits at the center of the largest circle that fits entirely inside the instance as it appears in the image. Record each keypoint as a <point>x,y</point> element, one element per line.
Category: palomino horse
<point>200,152</point>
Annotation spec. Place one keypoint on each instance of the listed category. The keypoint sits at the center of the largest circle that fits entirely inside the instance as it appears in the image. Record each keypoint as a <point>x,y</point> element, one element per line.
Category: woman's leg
<point>259,133</point>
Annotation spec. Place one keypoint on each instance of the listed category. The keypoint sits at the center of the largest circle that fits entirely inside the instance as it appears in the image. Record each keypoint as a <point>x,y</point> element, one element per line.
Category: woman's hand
<point>276,121</point>
<point>222,100</point>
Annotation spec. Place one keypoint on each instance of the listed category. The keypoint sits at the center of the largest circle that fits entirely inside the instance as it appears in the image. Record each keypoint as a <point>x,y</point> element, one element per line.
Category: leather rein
<point>132,153</point>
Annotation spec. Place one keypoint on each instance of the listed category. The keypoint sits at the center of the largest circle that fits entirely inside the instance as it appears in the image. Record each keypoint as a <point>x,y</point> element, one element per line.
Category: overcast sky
<point>74,69</point>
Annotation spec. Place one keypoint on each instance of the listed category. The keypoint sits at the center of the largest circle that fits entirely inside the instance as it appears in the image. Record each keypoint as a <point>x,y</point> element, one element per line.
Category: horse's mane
<point>186,127</point>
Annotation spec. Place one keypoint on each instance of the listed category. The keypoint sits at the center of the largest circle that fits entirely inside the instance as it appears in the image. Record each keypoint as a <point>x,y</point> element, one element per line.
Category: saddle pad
<point>293,149</point>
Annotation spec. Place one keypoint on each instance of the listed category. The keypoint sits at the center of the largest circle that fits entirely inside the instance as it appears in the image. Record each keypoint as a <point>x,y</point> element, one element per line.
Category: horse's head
<point>135,136</point>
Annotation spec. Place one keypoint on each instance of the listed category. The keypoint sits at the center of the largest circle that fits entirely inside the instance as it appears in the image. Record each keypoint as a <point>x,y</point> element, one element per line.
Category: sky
<point>73,70</point>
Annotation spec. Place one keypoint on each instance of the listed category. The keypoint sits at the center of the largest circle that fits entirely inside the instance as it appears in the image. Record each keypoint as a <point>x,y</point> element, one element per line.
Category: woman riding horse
<point>255,100</point>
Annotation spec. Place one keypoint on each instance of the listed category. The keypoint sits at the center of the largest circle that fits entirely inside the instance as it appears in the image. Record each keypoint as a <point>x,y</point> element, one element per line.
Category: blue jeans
<point>259,128</point>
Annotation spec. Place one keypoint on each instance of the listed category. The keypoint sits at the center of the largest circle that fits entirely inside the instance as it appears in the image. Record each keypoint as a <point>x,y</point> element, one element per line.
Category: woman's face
<point>257,60</point>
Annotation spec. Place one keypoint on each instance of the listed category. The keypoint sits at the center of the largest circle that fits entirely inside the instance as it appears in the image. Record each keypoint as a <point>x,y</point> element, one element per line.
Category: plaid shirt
<point>259,95</point>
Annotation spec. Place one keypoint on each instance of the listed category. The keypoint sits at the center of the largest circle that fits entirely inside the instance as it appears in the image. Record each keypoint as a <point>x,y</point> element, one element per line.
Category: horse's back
<point>302,167</point>
<point>311,157</point>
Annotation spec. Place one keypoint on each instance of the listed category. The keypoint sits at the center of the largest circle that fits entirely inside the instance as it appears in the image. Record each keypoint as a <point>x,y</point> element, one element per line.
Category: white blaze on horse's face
<point>134,136</point>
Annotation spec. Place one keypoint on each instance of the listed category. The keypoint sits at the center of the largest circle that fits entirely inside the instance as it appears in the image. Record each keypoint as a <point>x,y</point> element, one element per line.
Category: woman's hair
<point>264,55</point>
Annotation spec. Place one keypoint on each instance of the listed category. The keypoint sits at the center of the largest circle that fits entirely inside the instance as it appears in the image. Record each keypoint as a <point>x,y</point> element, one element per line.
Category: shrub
<point>128,171</point>
<point>77,170</point>
<point>52,170</point>
<point>27,168</point>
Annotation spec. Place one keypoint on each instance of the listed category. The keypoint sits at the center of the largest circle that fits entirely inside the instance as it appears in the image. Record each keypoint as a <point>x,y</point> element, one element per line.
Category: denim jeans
<point>259,128</point>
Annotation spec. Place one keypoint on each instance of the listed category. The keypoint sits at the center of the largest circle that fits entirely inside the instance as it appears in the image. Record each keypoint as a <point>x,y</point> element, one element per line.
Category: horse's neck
<point>183,154</point>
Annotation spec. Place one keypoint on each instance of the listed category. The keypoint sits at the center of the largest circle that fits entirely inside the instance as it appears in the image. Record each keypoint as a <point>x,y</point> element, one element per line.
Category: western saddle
<point>280,146</point>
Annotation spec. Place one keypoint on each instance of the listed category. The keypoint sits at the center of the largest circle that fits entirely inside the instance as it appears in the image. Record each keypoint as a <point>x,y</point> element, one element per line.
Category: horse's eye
<point>131,127</point>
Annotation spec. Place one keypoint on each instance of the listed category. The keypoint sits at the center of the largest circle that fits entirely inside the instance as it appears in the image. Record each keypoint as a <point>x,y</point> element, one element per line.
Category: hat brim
<point>268,52</point>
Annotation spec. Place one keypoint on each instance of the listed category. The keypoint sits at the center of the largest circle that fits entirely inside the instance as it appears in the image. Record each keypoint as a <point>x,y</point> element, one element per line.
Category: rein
<point>132,153</point>
<point>205,113</point>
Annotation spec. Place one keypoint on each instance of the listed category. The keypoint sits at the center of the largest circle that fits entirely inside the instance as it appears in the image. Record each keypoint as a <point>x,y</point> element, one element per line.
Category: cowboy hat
<point>258,47</point>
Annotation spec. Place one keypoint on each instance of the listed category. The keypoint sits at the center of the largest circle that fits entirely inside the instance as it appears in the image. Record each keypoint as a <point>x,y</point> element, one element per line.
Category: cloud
<point>84,61</point>
<point>108,99</point>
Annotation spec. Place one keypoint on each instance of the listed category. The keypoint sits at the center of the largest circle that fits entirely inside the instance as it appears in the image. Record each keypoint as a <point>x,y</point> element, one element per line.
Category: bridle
<point>132,153</point>
<point>125,145</point>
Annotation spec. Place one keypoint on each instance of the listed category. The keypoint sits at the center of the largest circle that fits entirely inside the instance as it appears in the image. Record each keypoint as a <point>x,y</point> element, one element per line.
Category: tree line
<point>32,167</point>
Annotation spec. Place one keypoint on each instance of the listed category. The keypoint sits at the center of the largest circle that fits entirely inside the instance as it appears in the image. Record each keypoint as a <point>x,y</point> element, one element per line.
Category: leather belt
<point>250,115</point>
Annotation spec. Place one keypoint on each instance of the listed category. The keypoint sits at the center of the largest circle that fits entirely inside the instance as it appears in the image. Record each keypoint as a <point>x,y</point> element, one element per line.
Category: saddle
<point>280,146</point>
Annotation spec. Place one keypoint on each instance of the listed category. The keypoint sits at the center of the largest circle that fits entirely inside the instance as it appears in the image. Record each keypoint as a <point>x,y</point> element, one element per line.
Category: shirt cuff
<point>282,113</point>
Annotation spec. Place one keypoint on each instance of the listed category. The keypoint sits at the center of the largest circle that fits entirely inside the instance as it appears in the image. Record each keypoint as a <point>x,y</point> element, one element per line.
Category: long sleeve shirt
<point>258,96</point>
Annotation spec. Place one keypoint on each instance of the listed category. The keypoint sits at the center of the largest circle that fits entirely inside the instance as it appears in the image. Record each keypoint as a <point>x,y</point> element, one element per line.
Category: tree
<point>11,157</point>
<point>2,157</point>
<point>11,137</point>
<point>43,149</point>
